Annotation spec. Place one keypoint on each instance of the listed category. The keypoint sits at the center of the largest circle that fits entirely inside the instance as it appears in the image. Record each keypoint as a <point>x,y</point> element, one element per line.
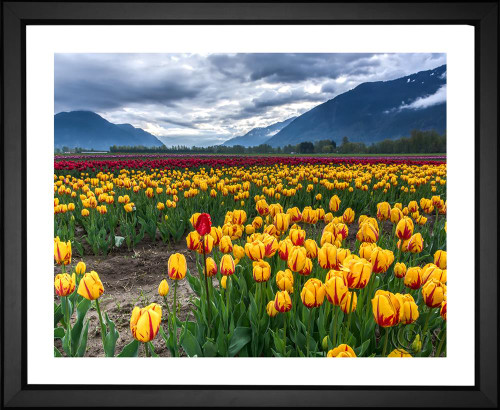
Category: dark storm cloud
<point>210,98</point>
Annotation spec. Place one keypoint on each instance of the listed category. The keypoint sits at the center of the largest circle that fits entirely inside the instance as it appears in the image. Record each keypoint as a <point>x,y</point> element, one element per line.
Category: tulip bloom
<point>433,293</point>
<point>413,277</point>
<point>416,243</point>
<point>307,269</point>
<point>311,248</point>
<point>255,250</point>
<point>281,221</point>
<point>366,249</point>
<point>381,260</point>
<point>297,258</point>
<point>357,272</point>
<point>396,215</point>
<point>284,280</point>
<point>225,244</point>
<point>203,224</point>
<point>295,214</point>
<point>64,284</point>
<point>90,286</point>
<point>193,241</point>
<point>313,293</point>
<point>238,252</point>
<point>404,228</point>
<point>327,256</point>
<point>177,266</point>
<point>346,305</point>
<point>310,215</point>
<point>335,287</point>
<point>261,271</point>
<point>348,216</point>
<point>80,268</point>
<point>444,308</point>
<point>239,217</point>
<point>367,233</point>
<point>270,309</point>
<point>262,207</point>
<point>297,236</point>
<point>284,248</point>
<point>431,271</point>
<point>334,203</point>
<point>387,308</point>
<point>399,353</point>
<point>271,245</point>
<point>227,267</point>
<point>342,350</point>
<point>383,211</point>
<point>400,270</point>
<point>440,259</point>
<point>282,301</point>
<point>194,218</point>
<point>257,222</point>
<point>211,268</point>
<point>223,282</point>
<point>163,288</point>
<point>62,252</point>
<point>410,310</point>
<point>145,322</point>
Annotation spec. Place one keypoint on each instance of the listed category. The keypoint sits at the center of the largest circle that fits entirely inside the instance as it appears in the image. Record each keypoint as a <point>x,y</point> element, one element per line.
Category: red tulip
<point>203,224</point>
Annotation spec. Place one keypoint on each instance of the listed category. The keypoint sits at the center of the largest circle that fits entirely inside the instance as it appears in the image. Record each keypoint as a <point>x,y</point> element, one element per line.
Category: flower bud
<point>404,228</point>
<point>400,270</point>
<point>311,248</point>
<point>297,258</point>
<point>410,309</point>
<point>62,252</point>
<point>163,288</point>
<point>270,309</point>
<point>282,301</point>
<point>433,293</point>
<point>211,268</point>
<point>255,250</point>
<point>80,268</point>
<point>387,308</point>
<point>334,203</point>
<point>227,266</point>
<point>416,243</point>
<point>261,271</point>
<point>345,304</point>
<point>225,244</point>
<point>440,259</point>
<point>413,277</point>
<point>284,280</point>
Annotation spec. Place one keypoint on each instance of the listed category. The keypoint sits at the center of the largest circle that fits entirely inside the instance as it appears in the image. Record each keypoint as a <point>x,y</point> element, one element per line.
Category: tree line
<point>419,142</point>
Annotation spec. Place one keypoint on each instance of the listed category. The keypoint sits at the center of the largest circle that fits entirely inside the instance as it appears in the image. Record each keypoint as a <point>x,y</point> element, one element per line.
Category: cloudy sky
<point>206,99</point>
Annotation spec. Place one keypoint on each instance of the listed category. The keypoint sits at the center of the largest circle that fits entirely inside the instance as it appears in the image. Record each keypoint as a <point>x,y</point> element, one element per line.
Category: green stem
<point>335,318</point>
<point>175,318</point>
<point>284,336</point>
<point>441,343</point>
<point>209,308</point>
<point>308,331</point>
<point>228,280</point>
<point>166,305</point>
<point>387,329</point>
<point>426,323</point>
<point>348,327</point>
<point>68,323</point>
<point>103,328</point>
<point>146,349</point>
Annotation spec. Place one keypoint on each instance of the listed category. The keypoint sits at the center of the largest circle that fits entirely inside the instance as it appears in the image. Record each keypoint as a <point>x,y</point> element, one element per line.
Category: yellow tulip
<point>297,236</point>
<point>348,216</point>
<point>282,301</point>
<point>416,243</point>
<point>284,280</point>
<point>431,271</point>
<point>334,203</point>
<point>335,287</point>
<point>145,322</point>
<point>357,272</point>
<point>413,277</point>
<point>281,221</point>
<point>410,309</point>
<point>193,240</point>
<point>255,250</point>
<point>440,259</point>
<point>399,353</point>
<point>313,293</point>
<point>261,271</point>
<point>270,309</point>
<point>345,304</point>
<point>211,268</point>
<point>177,266</point>
<point>284,248</point>
<point>433,293</point>
<point>223,282</point>
<point>64,284</point>
<point>342,350</point>
<point>383,211</point>
<point>400,270</point>
<point>90,286</point>
<point>163,288</point>
<point>80,268</point>
<point>387,308</point>
<point>225,244</point>
<point>404,228</point>
<point>327,256</point>
<point>297,258</point>
<point>62,252</point>
<point>227,266</point>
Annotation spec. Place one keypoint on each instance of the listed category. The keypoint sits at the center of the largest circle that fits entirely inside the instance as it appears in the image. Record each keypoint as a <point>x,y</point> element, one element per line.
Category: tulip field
<point>248,256</point>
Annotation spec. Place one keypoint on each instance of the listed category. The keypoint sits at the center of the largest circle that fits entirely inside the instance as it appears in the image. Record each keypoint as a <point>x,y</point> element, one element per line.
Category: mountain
<point>258,135</point>
<point>374,111</point>
<point>89,130</point>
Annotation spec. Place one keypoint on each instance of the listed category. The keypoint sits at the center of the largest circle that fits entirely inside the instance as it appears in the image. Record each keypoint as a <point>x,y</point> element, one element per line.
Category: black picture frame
<point>16,16</point>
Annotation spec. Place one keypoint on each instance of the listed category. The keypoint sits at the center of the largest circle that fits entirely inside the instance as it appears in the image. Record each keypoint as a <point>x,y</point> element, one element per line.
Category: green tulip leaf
<point>111,337</point>
<point>57,353</point>
<point>209,349</point>
<point>130,350</point>
<point>191,345</point>
<point>83,342</point>
<point>240,337</point>
<point>59,333</point>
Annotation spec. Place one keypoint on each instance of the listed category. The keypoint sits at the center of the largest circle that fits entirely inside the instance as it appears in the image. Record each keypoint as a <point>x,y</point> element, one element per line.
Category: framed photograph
<point>243,193</point>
